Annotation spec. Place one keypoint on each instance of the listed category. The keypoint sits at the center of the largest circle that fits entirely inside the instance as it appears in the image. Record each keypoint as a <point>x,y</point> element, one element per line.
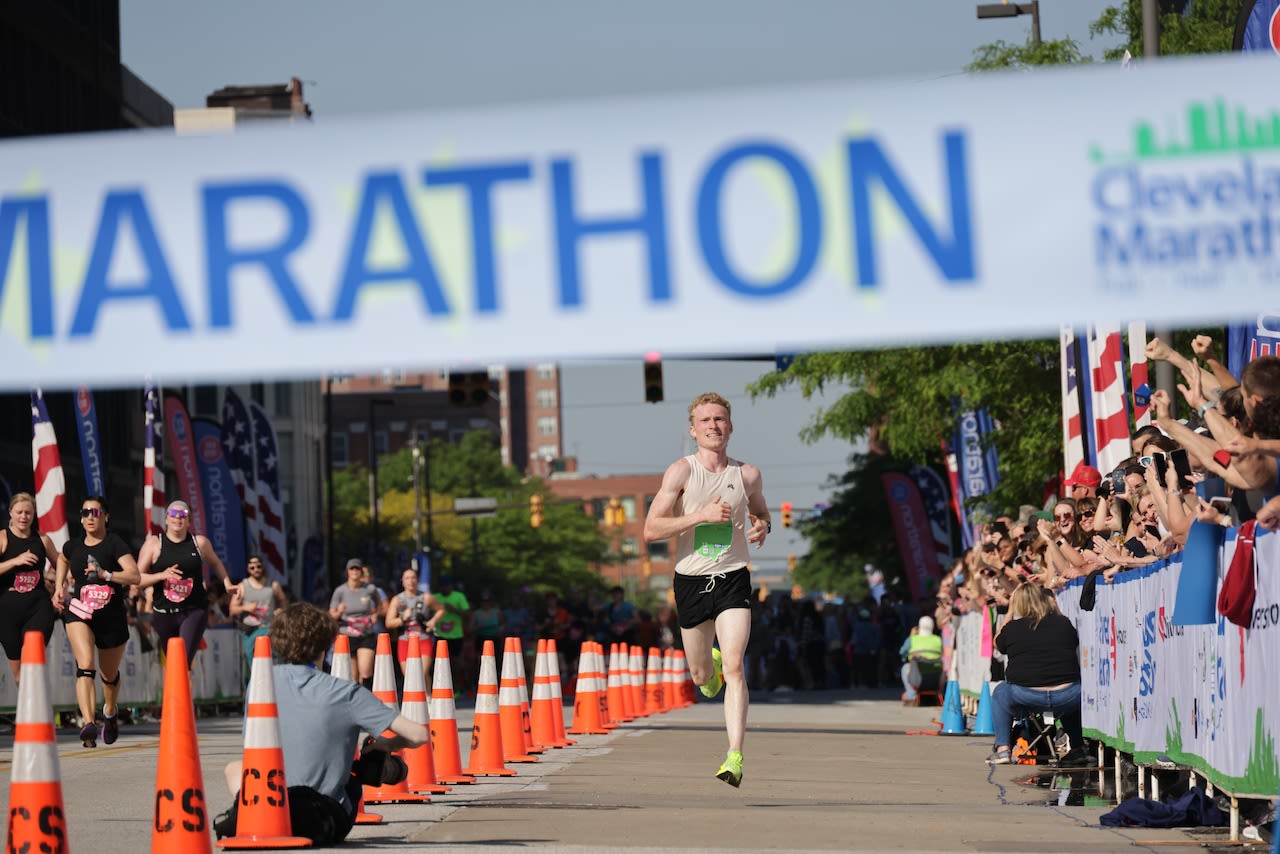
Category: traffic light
<point>786,514</point>
<point>653,381</point>
<point>615,514</point>
<point>791,563</point>
<point>647,566</point>
<point>535,511</point>
<point>469,389</point>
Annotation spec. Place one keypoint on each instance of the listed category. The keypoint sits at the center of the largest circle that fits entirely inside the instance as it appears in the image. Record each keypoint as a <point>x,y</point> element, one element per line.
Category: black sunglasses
<point>86,512</point>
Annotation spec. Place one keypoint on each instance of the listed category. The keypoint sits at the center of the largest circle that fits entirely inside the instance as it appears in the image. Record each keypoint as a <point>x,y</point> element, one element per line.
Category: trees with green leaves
<point>504,554</point>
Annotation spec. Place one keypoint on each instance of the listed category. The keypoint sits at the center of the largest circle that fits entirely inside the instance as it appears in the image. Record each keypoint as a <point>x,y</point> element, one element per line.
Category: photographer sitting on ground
<point>1042,673</point>
<point>324,717</point>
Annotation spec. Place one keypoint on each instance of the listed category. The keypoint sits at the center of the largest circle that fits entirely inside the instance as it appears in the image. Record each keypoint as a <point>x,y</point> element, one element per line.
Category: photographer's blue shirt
<point>321,719</point>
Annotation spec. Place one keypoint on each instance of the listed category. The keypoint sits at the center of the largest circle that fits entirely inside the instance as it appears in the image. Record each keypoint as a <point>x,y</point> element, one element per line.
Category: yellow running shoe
<point>716,682</point>
<point>731,770</point>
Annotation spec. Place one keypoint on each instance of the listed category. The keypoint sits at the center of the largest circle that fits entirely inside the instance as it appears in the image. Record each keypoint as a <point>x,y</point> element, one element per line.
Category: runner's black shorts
<point>700,598</point>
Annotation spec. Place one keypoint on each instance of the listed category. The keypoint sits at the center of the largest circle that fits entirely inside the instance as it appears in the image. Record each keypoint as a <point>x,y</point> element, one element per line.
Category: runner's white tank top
<point>708,549</point>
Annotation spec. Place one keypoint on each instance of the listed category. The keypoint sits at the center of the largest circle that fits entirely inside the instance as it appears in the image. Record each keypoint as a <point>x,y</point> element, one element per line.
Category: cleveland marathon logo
<point>1192,204</point>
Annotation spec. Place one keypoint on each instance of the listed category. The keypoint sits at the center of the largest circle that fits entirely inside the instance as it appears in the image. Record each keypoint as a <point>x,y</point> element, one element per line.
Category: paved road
<point>824,772</point>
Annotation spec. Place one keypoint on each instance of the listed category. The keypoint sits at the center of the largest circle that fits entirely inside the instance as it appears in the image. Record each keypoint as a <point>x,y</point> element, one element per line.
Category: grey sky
<point>391,55</point>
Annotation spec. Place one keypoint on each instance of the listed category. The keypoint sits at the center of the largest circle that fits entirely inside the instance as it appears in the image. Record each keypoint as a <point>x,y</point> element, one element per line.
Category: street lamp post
<point>1013,10</point>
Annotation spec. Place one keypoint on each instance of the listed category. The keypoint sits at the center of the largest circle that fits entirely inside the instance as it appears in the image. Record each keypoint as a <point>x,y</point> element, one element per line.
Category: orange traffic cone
<point>586,698</point>
<point>262,813</point>
<point>624,677</point>
<point>544,730</point>
<point>557,693</point>
<point>526,727</point>
<point>635,664</point>
<point>180,822</point>
<point>614,686</point>
<point>653,682</point>
<point>684,682</point>
<point>340,666</point>
<point>421,762</point>
<point>486,757</point>
<point>37,821</point>
<point>509,708</point>
<point>598,667</point>
<point>670,700</point>
<point>384,688</point>
<point>444,721</point>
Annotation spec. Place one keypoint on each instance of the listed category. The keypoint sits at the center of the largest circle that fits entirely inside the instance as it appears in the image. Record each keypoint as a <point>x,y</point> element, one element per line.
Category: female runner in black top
<point>94,574</point>
<point>179,601</point>
<point>25,605</point>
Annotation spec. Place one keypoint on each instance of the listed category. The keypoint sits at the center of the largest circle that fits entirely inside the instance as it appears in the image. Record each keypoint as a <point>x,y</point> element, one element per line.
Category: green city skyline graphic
<point>1208,128</point>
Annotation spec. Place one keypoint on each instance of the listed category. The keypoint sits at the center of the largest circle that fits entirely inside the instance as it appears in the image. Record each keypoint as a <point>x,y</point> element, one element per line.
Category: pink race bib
<point>25,582</point>
<point>92,598</point>
<point>178,589</point>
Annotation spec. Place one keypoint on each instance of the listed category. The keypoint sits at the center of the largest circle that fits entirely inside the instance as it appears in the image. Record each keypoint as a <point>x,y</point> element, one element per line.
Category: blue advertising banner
<point>221,503</point>
<point>90,442</point>
<point>978,468</point>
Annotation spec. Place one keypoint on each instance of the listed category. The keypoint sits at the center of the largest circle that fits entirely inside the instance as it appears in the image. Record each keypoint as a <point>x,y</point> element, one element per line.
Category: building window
<point>545,398</point>
<point>380,443</point>
<point>549,452</point>
<point>628,547</point>
<point>284,399</point>
<point>661,550</point>
<point>629,507</point>
<point>338,450</point>
<point>546,371</point>
<point>547,425</point>
<point>598,507</point>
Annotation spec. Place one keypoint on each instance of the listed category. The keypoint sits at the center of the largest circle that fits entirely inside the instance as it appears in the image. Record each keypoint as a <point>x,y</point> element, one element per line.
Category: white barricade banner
<point>215,674</point>
<point>972,668</point>
<point>817,216</point>
<point>1204,696</point>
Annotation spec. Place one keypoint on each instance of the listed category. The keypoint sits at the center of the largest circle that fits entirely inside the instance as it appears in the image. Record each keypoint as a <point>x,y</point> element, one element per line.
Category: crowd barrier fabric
<point>215,675</point>
<point>1203,696</point>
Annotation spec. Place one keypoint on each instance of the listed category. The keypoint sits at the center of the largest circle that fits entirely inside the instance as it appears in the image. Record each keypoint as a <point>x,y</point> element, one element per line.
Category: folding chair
<point>930,684</point>
<point>1043,736</point>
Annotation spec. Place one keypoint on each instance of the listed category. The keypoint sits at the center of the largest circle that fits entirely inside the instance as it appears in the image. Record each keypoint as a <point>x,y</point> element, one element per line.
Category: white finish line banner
<point>754,221</point>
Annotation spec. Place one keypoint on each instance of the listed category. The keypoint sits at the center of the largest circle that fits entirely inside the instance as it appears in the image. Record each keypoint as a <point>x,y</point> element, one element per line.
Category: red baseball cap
<point>1084,475</point>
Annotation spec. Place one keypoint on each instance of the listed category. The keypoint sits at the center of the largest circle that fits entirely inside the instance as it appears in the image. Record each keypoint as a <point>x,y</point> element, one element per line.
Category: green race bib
<point>712,539</point>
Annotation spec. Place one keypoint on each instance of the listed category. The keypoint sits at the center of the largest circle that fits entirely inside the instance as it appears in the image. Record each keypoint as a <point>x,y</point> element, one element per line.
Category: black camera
<point>379,768</point>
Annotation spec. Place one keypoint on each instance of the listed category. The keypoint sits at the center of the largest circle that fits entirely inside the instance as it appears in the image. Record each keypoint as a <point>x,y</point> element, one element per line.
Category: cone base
<point>238,843</point>
<point>368,818</point>
<point>398,798</point>
<point>496,772</point>
<point>523,757</point>
<point>600,731</point>
<point>430,789</point>
<point>455,779</point>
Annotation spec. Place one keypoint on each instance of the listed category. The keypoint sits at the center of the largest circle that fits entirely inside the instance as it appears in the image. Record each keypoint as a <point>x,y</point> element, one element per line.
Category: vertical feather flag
<point>1074,451</point>
<point>271,541</point>
<point>1110,415</point>
<point>242,459</point>
<point>90,442</point>
<point>51,486</point>
<point>153,494</point>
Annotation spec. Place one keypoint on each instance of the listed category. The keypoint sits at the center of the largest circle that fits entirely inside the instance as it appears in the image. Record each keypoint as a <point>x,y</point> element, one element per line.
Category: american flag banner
<point>936,498</point>
<point>1110,423</point>
<point>271,540</point>
<point>154,499</point>
<point>1074,450</point>
<point>1138,376</point>
<point>242,459</point>
<point>51,486</point>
